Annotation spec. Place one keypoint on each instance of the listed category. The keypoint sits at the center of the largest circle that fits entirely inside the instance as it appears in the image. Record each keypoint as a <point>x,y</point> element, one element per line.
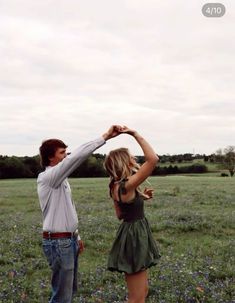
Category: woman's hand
<point>129,131</point>
<point>147,193</point>
<point>116,130</point>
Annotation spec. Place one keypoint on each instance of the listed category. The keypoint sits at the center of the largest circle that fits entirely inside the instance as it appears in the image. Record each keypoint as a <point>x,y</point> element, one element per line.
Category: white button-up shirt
<point>58,209</point>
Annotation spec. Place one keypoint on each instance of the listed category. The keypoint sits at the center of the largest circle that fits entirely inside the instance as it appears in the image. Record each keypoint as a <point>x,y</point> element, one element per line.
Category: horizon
<point>103,154</point>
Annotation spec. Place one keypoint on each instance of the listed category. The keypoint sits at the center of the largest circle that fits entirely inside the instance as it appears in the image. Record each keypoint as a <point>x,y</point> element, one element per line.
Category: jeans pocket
<point>64,243</point>
<point>66,249</point>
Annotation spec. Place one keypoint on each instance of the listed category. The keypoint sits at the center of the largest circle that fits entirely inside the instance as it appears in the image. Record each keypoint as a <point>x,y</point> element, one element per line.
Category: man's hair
<point>48,149</point>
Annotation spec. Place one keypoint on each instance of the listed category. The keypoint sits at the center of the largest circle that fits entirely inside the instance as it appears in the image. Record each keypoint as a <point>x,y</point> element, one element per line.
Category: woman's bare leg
<point>137,285</point>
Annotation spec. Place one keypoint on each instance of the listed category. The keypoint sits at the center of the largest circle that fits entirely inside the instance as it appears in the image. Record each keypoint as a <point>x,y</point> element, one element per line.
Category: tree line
<point>29,167</point>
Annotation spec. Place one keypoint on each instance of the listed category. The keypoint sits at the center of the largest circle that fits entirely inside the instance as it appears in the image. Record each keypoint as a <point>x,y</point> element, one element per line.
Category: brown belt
<point>48,235</point>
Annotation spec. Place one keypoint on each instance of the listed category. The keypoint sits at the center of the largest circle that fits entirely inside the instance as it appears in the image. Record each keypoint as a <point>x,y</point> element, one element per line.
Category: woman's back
<point>131,210</point>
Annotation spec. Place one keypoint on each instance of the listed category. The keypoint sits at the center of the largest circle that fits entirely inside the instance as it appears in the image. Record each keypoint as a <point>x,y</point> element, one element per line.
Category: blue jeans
<point>62,256</point>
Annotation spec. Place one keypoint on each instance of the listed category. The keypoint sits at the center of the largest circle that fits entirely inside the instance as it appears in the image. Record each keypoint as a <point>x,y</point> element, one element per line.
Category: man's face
<point>60,154</point>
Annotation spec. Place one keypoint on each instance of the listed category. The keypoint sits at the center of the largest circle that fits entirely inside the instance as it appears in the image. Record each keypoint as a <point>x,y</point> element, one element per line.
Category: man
<point>61,242</point>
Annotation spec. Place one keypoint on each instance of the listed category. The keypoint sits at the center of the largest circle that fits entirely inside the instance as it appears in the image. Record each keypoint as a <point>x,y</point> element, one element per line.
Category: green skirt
<point>134,248</point>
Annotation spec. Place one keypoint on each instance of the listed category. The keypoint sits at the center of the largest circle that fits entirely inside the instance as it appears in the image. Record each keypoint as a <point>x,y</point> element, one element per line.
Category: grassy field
<point>192,219</point>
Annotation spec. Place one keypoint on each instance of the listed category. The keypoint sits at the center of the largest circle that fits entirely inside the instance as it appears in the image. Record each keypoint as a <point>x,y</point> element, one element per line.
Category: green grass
<point>192,219</point>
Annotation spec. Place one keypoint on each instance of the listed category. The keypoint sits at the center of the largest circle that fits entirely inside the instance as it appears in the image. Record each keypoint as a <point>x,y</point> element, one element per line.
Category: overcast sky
<point>70,69</point>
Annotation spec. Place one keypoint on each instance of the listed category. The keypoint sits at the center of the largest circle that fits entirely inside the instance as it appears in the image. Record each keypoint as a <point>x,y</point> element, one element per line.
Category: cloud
<point>69,70</point>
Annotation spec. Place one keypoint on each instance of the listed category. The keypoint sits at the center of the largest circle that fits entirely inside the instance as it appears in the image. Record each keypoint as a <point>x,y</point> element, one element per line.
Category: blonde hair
<point>120,164</point>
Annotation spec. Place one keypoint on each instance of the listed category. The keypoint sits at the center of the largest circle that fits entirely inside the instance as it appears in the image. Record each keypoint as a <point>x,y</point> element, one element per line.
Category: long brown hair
<point>120,165</point>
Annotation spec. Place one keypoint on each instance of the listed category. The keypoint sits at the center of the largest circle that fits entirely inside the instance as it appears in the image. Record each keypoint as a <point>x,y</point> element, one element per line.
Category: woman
<point>134,249</point>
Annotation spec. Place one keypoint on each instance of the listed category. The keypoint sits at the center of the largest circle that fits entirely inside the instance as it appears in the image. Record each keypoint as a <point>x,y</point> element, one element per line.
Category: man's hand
<point>114,131</point>
<point>81,246</point>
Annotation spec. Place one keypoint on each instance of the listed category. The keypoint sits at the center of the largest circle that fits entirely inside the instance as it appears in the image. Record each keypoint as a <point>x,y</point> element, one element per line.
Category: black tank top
<point>132,210</point>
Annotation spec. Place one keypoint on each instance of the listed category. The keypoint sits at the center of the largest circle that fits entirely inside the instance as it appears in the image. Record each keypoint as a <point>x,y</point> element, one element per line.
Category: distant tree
<point>99,156</point>
<point>140,159</point>
<point>229,159</point>
<point>32,165</point>
<point>12,167</point>
<point>219,156</point>
<point>173,159</point>
<point>188,157</point>
<point>226,159</point>
<point>198,156</point>
<point>91,167</point>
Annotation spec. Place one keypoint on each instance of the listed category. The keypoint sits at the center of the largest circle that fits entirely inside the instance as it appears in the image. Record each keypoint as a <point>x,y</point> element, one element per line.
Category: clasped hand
<point>116,130</point>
